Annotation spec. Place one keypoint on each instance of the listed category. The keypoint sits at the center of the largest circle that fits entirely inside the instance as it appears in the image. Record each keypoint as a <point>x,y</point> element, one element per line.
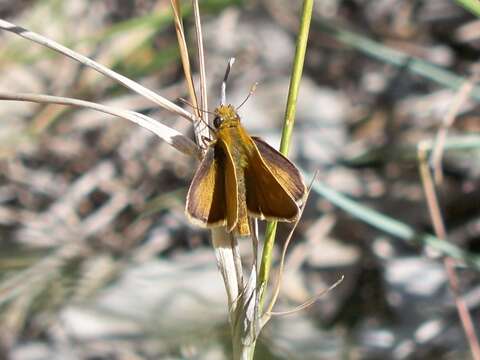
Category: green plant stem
<point>471,5</point>
<point>289,121</point>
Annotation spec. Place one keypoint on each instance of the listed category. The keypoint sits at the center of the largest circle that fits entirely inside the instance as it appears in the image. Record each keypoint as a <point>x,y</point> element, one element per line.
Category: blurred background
<point>97,259</point>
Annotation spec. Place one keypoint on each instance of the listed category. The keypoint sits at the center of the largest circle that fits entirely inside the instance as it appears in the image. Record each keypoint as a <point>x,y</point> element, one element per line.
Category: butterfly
<point>241,176</point>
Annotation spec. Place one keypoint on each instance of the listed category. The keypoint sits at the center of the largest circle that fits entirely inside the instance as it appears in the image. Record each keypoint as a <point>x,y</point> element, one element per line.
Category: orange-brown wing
<point>231,186</point>
<point>206,197</point>
<point>266,198</point>
<point>284,171</point>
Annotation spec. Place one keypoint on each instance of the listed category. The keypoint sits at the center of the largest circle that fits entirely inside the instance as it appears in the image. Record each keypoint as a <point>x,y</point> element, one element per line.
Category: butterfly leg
<point>206,142</point>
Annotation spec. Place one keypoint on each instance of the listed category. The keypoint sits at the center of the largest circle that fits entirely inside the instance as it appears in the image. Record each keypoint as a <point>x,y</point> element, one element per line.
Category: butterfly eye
<point>217,121</point>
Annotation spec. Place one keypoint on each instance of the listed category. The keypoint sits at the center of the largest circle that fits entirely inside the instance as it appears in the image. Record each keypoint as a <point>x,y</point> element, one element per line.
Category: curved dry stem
<point>140,89</point>
<point>437,154</point>
<point>307,303</point>
<point>449,263</point>
<point>169,135</point>
<point>285,247</point>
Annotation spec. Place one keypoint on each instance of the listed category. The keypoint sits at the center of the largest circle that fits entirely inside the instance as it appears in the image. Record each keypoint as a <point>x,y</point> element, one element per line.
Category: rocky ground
<point>98,260</point>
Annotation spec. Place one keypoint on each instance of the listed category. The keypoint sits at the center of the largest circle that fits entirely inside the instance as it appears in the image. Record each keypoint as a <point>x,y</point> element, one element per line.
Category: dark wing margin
<point>205,205</point>
<point>284,171</point>
<point>266,197</point>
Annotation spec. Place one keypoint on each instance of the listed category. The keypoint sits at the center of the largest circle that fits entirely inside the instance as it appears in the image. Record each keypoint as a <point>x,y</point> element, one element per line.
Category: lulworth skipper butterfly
<point>241,176</point>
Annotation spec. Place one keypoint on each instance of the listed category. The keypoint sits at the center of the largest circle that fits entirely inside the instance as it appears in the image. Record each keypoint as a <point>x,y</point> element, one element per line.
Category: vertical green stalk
<point>289,121</point>
<point>471,5</point>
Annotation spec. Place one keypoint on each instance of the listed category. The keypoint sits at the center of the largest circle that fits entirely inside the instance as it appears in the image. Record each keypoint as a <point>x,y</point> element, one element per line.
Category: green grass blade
<point>289,121</point>
<point>394,227</point>
<point>471,5</point>
<point>395,57</point>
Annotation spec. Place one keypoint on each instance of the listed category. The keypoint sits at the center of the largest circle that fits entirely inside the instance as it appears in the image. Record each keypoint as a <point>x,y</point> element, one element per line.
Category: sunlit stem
<point>289,121</point>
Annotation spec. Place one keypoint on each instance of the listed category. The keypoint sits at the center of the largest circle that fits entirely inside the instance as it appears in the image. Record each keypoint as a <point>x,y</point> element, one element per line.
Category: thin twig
<point>449,263</point>
<point>437,154</point>
<point>140,89</point>
<point>169,135</point>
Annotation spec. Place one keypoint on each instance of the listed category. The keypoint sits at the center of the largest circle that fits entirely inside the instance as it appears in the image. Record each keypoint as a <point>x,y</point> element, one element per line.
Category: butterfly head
<point>225,115</point>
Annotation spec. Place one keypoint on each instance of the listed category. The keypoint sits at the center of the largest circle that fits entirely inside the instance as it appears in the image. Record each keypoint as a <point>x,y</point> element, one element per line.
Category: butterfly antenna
<point>250,93</point>
<point>194,107</point>
<point>223,95</point>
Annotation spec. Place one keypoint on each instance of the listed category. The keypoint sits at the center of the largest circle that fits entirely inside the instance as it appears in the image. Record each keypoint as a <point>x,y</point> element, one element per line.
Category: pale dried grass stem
<point>201,61</point>
<point>461,96</point>
<point>449,263</point>
<point>140,89</point>
<point>182,45</point>
<point>169,135</point>
<point>226,264</point>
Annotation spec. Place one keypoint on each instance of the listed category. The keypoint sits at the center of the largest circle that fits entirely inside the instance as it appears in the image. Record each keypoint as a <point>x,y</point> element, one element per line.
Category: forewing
<point>266,198</point>
<point>206,196</point>
<point>231,186</point>
<point>284,171</point>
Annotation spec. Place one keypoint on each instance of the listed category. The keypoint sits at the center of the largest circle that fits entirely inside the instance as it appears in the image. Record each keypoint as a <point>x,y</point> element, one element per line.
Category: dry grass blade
<point>169,135</point>
<point>147,93</point>
<point>226,264</point>
<point>255,242</point>
<point>238,261</point>
<point>182,44</point>
<point>200,131</point>
<point>201,63</point>
<point>430,194</point>
<point>461,96</point>
<point>440,231</point>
